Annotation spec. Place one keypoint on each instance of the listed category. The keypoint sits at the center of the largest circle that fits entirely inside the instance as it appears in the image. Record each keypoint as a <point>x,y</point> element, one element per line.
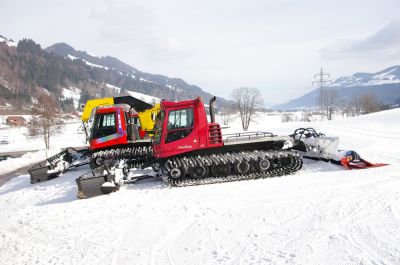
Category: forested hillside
<point>27,70</point>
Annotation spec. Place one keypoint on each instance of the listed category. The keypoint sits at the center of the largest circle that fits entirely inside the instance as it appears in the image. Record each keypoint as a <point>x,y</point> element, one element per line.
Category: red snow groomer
<point>318,146</point>
<point>190,150</point>
<point>121,126</point>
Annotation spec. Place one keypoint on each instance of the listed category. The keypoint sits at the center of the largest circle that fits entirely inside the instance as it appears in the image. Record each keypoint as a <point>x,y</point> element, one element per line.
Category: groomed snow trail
<point>321,215</point>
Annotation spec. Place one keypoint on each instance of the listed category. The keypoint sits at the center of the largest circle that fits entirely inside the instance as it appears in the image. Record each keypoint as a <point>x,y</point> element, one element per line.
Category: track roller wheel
<point>262,164</point>
<point>176,172</point>
<point>96,162</point>
<point>285,161</point>
<point>219,170</point>
<point>242,167</point>
<point>198,172</point>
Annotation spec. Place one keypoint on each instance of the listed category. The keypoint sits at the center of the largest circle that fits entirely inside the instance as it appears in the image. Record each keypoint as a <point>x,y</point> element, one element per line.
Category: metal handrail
<point>247,135</point>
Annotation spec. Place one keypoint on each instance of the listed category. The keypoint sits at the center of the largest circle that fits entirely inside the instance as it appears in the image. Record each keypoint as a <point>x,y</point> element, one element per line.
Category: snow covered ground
<point>74,93</point>
<point>321,215</point>
<point>138,95</point>
<point>70,135</point>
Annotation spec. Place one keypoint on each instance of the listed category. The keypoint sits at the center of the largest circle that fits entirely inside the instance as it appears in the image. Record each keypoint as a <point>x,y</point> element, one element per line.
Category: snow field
<point>69,135</point>
<point>146,98</point>
<point>27,159</point>
<point>323,214</point>
<point>74,93</point>
<point>334,217</point>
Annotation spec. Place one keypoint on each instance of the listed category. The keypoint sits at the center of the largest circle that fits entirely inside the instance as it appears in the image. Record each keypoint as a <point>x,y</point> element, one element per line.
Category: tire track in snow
<point>371,239</point>
<point>168,240</point>
<point>361,132</point>
<point>302,238</point>
<point>362,216</point>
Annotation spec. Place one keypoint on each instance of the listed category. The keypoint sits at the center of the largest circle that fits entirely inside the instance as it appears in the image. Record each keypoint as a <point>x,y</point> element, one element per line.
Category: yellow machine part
<point>93,103</point>
<point>147,118</point>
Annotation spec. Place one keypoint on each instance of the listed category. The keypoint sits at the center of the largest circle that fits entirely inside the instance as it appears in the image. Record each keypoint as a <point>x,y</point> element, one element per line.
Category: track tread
<point>136,156</point>
<point>230,158</point>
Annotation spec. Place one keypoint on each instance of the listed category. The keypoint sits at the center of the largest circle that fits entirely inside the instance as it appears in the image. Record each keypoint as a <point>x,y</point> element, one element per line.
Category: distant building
<point>16,121</point>
<point>76,114</point>
<point>68,117</point>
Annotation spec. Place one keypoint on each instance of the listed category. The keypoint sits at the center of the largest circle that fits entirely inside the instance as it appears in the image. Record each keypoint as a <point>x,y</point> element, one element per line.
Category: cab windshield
<point>104,125</point>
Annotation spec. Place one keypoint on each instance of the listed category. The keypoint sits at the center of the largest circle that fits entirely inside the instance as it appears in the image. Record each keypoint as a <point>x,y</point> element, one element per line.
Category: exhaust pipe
<point>212,111</point>
<point>133,129</point>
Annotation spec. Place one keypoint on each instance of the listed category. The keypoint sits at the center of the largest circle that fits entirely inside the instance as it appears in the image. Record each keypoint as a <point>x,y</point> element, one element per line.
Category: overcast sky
<point>274,45</point>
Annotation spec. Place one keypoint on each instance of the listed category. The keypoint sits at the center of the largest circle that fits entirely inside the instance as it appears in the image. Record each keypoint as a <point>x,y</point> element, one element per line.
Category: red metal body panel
<point>109,109</point>
<point>203,134</point>
<point>142,134</point>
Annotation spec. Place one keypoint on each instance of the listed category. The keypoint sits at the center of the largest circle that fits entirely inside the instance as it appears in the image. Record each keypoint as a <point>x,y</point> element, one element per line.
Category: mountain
<point>8,42</point>
<point>385,85</point>
<point>106,62</point>
<point>72,77</point>
<point>141,81</point>
<point>390,75</point>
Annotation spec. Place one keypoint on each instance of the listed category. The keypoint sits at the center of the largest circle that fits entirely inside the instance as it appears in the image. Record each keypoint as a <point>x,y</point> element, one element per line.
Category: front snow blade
<point>95,183</point>
<point>42,172</point>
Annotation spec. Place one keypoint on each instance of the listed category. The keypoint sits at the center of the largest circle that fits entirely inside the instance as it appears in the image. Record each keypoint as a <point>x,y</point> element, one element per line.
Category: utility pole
<point>321,82</point>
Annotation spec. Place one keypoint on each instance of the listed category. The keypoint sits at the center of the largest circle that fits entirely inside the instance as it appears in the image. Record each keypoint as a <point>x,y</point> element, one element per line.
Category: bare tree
<point>247,100</point>
<point>364,104</point>
<point>286,117</point>
<point>369,103</point>
<point>226,114</point>
<point>355,105</point>
<point>305,116</point>
<point>44,122</point>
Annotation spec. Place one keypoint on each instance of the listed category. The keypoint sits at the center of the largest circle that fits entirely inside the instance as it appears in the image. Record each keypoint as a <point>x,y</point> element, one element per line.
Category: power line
<point>321,82</point>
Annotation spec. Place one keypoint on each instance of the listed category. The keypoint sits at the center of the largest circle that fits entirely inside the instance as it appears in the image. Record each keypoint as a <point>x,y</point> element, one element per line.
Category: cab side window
<point>180,124</point>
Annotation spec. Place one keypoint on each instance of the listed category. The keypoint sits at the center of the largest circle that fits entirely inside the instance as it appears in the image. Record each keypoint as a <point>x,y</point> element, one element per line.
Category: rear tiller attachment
<point>317,146</point>
<point>352,160</point>
<point>59,163</point>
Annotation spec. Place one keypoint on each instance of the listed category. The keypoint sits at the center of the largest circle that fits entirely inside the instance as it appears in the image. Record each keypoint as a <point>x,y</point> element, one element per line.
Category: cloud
<point>383,45</point>
<point>123,20</point>
<point>136,28</point>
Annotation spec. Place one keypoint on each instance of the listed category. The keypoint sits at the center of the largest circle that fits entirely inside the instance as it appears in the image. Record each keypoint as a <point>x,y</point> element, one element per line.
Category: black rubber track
<point>281,163</point>
<point>135,154</point>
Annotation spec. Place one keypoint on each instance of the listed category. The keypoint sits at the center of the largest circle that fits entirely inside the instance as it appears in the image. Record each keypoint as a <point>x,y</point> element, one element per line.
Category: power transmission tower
<point>321,82</point>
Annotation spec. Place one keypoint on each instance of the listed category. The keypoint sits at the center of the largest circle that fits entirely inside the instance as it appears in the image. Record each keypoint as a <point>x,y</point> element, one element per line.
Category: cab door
<point>180,132</point>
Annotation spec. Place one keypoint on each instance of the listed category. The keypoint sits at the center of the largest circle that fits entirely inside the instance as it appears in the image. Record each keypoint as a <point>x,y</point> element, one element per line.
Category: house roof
<point>17,118</point>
